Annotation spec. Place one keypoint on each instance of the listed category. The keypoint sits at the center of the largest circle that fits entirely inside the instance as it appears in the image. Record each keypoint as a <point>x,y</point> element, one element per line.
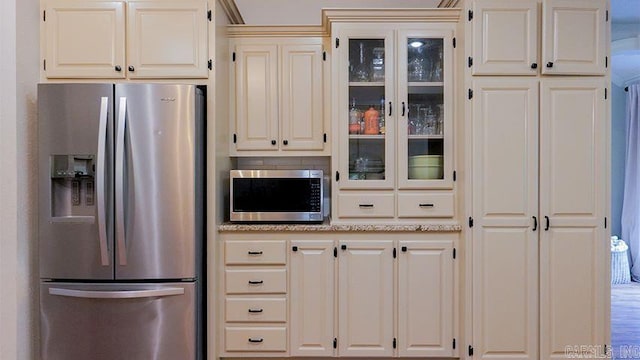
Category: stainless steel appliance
<point>121,221</point>
<point>276,195</point>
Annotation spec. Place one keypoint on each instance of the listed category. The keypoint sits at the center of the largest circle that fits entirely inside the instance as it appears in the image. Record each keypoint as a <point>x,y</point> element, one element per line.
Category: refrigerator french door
<point>121,220</point>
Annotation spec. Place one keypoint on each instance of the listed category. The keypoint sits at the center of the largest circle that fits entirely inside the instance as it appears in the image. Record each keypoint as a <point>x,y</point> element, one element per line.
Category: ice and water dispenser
<point>72,186</point>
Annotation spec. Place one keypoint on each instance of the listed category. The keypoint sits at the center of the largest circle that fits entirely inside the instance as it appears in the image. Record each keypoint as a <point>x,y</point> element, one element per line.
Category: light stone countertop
<point>328,227</point>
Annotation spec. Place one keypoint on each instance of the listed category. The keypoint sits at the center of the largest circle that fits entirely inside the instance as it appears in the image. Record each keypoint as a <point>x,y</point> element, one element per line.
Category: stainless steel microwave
<point>276,195</point>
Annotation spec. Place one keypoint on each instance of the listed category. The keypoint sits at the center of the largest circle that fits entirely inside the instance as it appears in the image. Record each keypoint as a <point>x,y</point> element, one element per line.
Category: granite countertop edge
<point>325,227</point>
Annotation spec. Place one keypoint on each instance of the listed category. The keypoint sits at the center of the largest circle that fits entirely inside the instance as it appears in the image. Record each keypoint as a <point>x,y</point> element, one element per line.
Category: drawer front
<point>256,310</point>
<point>256,281</point>
<point>256,339</point>
<point>422,205</point>
<point>366,205</point>
<point>255,252</point>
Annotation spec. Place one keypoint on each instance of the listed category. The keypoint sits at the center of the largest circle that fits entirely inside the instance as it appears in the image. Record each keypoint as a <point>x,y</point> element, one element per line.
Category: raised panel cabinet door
<point>505,211</point>
<point>167,39</point>
<point>574,37</point>
<point>425,298</point>
<point>505,37</point>
<point>365,288</point>
<point>84,39</point>
<point>312,298</point>
<point>302,106</point>
<point>573,245</point>
<point>256,97</point>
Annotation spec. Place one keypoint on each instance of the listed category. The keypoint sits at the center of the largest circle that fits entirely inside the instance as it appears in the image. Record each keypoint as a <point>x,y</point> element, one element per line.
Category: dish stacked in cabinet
<point>255,310</point>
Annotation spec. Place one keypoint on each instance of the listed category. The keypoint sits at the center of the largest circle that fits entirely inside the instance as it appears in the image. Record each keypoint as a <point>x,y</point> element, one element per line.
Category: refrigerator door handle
<point>136,294</point>
<point>100,182</point>
<point>120,232</point>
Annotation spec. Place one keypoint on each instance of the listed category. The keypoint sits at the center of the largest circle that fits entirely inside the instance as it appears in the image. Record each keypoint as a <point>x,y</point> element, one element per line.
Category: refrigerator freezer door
<point>157,192</point>
<point>75,184</point>
<point>118,321</point>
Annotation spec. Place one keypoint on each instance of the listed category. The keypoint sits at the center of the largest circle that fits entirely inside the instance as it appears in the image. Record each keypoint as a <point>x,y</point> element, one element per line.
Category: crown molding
<point>231,10</point>
<point>236,31</point>
<point>441,15</point>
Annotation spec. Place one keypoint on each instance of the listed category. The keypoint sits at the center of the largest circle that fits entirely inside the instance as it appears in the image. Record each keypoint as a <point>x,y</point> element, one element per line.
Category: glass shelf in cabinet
<point>365,137</point>
<point>425,137</point>
<point>366,83</point>
<point>425,83</point>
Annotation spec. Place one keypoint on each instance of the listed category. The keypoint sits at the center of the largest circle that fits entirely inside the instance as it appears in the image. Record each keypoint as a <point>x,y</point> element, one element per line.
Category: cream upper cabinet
<point>574,246</point>
<point>86,39</point>
<point>312,297</point>
<point>277,101</point>
<point>425,298</point>
<point>365,305</point>
<point>572,37</point>
<point>167,39</point>
<point>505,232</point>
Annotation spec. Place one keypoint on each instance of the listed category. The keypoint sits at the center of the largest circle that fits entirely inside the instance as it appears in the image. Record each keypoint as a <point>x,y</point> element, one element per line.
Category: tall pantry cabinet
<point>539,185</point>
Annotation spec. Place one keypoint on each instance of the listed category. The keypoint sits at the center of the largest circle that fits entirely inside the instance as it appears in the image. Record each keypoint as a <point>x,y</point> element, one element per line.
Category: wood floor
<point>625,321</point>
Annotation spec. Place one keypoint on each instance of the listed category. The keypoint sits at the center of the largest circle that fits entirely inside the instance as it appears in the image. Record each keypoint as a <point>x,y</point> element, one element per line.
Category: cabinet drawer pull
<point>252,340</point>
<point>255,311</point>
<point>426,205</point>
<point>366,205</point>
<point>254,252</point>
<point>256,282</point>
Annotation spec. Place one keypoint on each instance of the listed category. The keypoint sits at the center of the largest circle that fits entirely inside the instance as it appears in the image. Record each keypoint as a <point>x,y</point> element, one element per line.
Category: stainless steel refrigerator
<point>121,221</point>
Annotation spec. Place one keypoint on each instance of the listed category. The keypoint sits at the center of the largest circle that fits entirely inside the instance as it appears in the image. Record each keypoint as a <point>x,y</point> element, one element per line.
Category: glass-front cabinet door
<point>425,126</point>
<point>367,109</point>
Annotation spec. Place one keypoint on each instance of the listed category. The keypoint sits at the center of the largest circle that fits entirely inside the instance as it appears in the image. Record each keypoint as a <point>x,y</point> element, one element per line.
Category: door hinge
<point>44,15</point>
<point>470,94</point>
<point>294,248</point>
<point>454,256</point>
<point>470,350</point>
<point>470,17</point>
<point>209,15</point>
<point>337,43</point>
<point>455,175</point>
<point>606,61</point>
<point>606,16</point>
<point>233,56</point>
<point>605,350</point>
<point>454,43</point>
<point>335,251</point>
<point>395,343</point>
<point>454,343</point>
<point>324,56</point>
<point>605,222</point>
<point>605,93</point>
<point>395,253</point>
<point>210,64</point>
<point>235,138</point>
<point>470,61</point>
<point>470,222</point>
<point>44,64</point>
<point>324,137</point>
<point>335,343</point>
<point>337,175</point>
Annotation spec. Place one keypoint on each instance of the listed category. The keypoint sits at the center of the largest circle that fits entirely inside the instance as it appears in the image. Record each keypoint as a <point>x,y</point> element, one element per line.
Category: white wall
<point>19,41</point>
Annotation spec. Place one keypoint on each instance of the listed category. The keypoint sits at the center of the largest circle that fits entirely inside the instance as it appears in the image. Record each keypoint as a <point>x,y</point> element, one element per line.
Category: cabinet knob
<point>286,142</point>
<point>131,68</point>
<point>550,64</point>
<point>273,142</point>
<point>534,65</point>
<point>118,68</point>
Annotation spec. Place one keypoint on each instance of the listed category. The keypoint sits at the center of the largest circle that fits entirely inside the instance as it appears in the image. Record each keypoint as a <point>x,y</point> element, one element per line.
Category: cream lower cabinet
<point>277,96</point>
<point>539,244</point>
<point>572,33</point>
<point>124,39</point>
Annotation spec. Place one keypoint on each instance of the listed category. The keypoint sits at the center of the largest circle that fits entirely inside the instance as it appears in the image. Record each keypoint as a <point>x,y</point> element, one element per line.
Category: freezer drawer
<point>118,321</point>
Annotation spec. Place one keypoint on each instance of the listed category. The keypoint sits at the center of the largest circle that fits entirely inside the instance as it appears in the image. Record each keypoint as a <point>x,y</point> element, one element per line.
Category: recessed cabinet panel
<point>574,37</point>
<point>505,37</point>
<point>84,39</point>
<point>167,39</point>
<point>365,314</point>
<point>256,97</point>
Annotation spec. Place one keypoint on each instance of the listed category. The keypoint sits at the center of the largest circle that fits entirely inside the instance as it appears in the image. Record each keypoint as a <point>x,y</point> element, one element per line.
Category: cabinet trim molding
<point>439,15</point>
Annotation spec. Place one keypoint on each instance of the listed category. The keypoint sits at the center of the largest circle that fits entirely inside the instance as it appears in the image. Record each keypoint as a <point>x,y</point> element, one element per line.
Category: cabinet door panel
<point>167,39</point>
<point>505,249</point>
<point>302,97</point>
<point>84,39</point>
<point>574,37</point>
<point>312,298</point>
<point>425,298</point>
<point>366,298</point>
<point>500,52</point>
<point>574,250</point>
<point>256,97</point>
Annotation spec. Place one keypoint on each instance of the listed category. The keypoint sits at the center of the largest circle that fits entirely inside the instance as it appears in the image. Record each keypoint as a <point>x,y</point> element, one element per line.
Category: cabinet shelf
<point>365,137</point>
<point>425,84</point>
<point>366,83</point>
<point>425,137</point>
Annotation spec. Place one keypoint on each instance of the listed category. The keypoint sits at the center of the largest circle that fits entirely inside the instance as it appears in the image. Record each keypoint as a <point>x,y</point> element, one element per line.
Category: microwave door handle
<point>120,225</point>
<point>135,294</point>
<point>100,182</point>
